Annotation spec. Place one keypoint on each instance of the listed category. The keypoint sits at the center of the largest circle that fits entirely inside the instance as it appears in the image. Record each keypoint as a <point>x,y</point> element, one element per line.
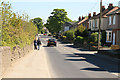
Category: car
<point>49,35</point>
<point>45,34</point>
<point>52,42</point>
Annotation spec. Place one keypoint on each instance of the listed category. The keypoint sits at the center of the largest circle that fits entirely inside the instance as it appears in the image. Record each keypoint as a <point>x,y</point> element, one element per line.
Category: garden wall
<point>7,57</point>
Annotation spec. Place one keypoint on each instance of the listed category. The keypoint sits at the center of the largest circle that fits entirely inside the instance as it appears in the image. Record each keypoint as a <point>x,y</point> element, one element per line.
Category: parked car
<point>45,34</point>
<point>51,42</point>
<point>49,35</point>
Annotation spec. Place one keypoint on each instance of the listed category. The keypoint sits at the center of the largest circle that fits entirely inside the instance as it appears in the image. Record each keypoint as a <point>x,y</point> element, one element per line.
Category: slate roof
<point>105,12</point>
<point>85,19</point>
<point>114,12</point>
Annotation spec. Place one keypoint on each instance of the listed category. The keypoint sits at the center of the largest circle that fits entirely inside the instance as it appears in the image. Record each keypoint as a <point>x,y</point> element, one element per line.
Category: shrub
<point>94,37</point>
<point>70,35</point>
<point>15,30</point>
<point>81,31</point>
<point>79,39</point>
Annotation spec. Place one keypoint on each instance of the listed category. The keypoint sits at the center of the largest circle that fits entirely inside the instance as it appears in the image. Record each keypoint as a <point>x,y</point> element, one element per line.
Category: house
<point>67,26</point>
<point>113,28</point>
<point>85,21</point>
<point>94,21</point>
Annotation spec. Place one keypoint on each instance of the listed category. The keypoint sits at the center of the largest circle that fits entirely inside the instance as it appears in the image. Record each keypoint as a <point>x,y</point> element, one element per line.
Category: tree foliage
<point>81,31</point>
<point>15,30</point>
<point>56,20</point>
<point>70,35</point>
<point>38,22</point>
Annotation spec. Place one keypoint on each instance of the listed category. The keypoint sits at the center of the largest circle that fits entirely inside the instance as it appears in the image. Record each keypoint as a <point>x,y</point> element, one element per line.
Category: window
<point>110,20</point>
<point>109,36</point>
<point>90,24</point>
<point>93,23</point>
<point>114,19</point>
<point>96,23</point>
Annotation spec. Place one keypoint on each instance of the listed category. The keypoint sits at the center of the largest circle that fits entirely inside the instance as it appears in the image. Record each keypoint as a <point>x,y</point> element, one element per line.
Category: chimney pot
<point>89,15</point>
<point>94,13</point>
<point>110,4</point>
<point>79,18</point>
<point>83,17</point>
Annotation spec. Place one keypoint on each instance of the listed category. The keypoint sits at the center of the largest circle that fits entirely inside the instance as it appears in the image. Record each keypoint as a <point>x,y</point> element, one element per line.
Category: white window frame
<point>107,36</point>
<point>110,18</point>
<point>114,19</point>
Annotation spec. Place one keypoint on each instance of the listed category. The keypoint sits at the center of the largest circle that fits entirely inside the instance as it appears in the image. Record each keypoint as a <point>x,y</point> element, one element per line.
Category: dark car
<point>51,42</point>
<point>49,35</point>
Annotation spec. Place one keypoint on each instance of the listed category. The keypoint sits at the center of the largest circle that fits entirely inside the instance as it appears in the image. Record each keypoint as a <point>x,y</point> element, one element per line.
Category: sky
<point>43,8</point>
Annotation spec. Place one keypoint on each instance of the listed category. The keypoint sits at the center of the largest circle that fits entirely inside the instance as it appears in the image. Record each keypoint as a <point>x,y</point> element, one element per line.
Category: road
<point>67,62</point>
<point>63,61</point>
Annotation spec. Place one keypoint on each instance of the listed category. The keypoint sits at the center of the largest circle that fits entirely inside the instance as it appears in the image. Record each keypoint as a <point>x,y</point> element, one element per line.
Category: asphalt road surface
<point>65,61</point>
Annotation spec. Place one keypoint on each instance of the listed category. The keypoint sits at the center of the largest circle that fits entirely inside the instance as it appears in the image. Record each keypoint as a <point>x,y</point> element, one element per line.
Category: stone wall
<point>7,57</point>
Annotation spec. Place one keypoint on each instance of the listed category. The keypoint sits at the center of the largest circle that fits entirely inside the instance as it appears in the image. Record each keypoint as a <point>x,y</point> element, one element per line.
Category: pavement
<point>33,65</point>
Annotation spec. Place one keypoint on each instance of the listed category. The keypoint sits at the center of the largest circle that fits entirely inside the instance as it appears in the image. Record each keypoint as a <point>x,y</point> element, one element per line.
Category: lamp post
<point>99,25</point>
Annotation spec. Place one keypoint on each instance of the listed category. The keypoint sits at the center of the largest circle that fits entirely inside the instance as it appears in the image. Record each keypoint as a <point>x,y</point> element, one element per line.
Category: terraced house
<point>113,28</point>
<point>94,21</point>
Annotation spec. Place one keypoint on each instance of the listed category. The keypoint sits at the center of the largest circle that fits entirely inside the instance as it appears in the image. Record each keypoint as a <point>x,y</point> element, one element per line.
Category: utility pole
<point>99,25</point>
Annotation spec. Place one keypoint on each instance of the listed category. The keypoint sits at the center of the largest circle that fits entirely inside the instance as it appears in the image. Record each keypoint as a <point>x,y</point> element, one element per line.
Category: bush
<point>79,39</point>
<point>70,35</point>
<point>81,31</point>
<point>15,30</point>
<point>64,37</point>
<point>94,37</point>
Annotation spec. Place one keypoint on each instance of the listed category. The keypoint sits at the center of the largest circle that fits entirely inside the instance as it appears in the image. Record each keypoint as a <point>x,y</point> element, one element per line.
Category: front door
<point>113,38</point>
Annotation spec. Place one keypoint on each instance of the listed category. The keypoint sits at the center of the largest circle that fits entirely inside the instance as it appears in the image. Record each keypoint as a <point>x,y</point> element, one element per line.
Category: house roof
<point>114,12</point>
<point>82,21</point>
<point>105,12</point>
<point>114,9</point>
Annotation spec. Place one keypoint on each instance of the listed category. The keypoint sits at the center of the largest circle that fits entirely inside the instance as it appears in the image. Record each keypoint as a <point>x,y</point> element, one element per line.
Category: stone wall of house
<point>8,56</point>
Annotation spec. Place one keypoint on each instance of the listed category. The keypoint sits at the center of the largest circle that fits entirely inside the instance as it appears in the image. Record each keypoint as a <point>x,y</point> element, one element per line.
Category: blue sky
<point>43,8</point>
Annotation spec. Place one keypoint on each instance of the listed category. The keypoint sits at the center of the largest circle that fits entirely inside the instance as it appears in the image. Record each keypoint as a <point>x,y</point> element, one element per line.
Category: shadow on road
<point>102,63</point>
<point>78,48</point>
<point>49,46</point>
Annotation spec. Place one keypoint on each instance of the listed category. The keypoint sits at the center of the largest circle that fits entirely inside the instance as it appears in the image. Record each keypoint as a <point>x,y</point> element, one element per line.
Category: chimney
<point>79,19</point>
<point>94,13</point>
<point>110,6</point>
<point>89,15</point>
<point>83,17</point>
<point>103,8</point>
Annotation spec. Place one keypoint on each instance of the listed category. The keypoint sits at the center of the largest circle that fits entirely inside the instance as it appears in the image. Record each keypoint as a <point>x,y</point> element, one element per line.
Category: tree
<point>15,30</point>
<point>38,22</point>
<point>79,30</point>
<point>56,20</point>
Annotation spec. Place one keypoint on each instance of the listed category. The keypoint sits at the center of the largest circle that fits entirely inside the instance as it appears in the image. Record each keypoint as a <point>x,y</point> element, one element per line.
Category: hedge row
<point>16,29</point>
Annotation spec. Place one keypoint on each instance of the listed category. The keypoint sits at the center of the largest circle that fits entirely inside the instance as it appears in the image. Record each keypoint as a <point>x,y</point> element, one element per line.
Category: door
<point>113,38</point>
